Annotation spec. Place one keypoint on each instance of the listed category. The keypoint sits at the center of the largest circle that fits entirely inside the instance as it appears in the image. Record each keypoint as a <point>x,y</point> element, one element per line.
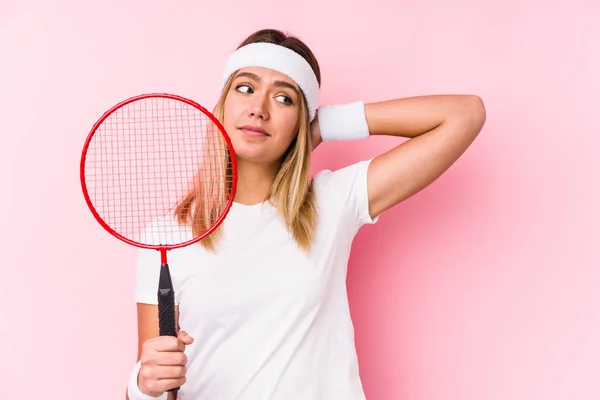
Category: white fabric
<point>133,390</point>
<point>280,59</point>
<point>270,322</point>
<point>343,122</point>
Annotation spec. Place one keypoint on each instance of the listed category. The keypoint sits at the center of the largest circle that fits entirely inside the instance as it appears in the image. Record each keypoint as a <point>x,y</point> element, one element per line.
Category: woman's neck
<point>253,182</point>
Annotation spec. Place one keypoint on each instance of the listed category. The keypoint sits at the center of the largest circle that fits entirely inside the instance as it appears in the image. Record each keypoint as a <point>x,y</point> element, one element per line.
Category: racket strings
<point>148,159</point>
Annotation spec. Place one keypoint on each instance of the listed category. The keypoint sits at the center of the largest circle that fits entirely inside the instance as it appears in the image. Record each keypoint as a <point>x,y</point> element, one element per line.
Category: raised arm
<point>440,128</point>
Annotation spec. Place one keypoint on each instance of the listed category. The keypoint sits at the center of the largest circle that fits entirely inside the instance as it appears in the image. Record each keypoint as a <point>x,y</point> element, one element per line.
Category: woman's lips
<point>254,131</point>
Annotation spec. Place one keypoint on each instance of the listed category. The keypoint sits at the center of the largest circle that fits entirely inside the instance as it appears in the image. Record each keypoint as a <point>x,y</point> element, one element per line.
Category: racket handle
<point>166,306</point>
<point>166,303</point>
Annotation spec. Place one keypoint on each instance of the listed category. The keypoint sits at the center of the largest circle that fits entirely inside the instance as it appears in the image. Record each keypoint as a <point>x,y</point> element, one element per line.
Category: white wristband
<point>133,390</point>
<point>343,122</point>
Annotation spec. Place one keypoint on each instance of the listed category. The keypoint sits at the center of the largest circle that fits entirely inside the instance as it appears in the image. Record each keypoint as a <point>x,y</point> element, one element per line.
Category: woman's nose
<point>259,107</point>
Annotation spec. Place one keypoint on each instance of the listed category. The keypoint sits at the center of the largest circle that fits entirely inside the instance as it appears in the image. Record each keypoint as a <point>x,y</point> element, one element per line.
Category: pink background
<point>486,285</point>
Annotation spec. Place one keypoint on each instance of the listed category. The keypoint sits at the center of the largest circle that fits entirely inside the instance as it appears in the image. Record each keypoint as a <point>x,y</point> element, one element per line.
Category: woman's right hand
<point>163,363</point>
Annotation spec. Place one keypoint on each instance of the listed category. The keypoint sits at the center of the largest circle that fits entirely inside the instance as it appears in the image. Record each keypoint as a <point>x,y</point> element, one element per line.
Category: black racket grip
<point>166,303</point>
<point>166,306</point>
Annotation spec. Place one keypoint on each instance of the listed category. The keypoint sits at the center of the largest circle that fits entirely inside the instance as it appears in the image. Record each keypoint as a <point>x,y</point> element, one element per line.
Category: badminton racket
<point>149,159</point>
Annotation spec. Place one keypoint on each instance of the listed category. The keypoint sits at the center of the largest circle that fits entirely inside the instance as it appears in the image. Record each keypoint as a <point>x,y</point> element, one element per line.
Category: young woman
<point>261,303</point>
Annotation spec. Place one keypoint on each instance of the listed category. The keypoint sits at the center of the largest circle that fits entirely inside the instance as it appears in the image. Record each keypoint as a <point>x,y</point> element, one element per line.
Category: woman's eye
<point>248,90</point>
<point>285,99</point>
<point>244,88</point>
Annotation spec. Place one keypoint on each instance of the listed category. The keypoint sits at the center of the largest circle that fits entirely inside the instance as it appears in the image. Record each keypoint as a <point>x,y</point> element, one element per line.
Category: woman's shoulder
<point>345,189</point>
<point>343,179</point>
<point>165,229</point>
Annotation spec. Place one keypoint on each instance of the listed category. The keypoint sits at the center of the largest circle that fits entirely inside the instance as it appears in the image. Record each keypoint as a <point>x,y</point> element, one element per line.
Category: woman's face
<point>261,113</point>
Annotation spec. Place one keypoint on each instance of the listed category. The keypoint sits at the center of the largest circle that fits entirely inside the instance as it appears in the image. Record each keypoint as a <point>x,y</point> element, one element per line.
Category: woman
<point>262,303</point>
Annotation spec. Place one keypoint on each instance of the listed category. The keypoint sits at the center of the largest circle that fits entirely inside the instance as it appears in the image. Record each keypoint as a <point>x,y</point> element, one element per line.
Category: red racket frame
<point>165,291</point>
<point>162,248</point>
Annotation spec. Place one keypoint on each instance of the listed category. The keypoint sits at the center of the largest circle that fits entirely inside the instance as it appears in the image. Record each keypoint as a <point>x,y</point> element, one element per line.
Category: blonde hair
<point>291,192</point>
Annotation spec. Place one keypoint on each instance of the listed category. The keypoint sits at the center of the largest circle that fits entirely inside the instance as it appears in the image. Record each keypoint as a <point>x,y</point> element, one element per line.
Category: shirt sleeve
<point>349,185</point>
<point>149,260</point>
<point>147,274</point>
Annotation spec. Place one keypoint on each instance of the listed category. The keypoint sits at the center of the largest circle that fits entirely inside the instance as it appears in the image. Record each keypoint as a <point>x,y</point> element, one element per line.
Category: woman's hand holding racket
<point>163,363</point>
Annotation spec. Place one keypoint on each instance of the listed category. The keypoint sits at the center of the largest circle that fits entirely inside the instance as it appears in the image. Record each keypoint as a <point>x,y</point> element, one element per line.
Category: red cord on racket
<point>150,160</point>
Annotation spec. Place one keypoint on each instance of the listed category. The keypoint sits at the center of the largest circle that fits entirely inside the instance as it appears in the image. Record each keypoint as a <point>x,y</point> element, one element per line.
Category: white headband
<point>280,59</point>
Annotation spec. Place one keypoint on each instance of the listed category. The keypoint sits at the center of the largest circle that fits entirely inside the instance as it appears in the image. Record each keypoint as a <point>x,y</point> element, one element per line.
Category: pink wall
<point>484,286</point>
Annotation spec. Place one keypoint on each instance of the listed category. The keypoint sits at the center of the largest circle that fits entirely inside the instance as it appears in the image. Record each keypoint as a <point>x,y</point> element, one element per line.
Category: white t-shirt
<point>269,320</point>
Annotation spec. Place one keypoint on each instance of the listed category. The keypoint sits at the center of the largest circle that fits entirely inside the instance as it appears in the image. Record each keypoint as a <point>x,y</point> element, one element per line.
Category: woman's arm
<point>440,128</point>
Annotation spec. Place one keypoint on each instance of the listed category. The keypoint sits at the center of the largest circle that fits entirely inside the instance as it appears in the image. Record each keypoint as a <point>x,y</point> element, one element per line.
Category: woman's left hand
<point>315,133</point>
